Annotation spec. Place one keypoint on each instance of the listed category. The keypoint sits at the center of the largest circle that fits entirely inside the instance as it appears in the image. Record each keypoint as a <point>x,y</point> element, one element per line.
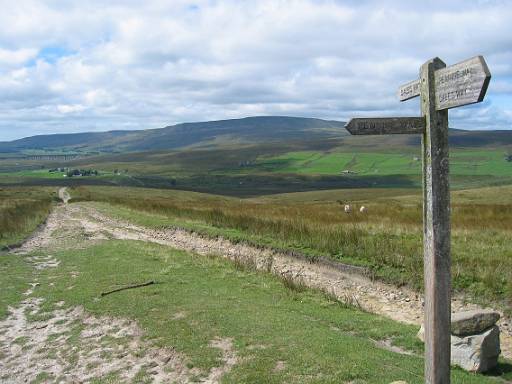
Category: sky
<point>76,66</point>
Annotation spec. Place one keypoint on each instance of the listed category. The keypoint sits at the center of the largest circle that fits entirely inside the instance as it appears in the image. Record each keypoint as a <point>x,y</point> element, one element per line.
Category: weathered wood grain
<point>440,88</point>
<point>436,230</point>
<point>409,90</point>
<point>462,83</point>
<point>386,125</point>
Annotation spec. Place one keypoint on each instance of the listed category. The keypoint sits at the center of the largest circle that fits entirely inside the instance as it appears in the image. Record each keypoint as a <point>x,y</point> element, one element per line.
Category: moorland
<point>271,183</point>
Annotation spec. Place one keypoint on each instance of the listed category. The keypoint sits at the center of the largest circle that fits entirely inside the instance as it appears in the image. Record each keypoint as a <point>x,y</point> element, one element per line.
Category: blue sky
<point>74,66</point>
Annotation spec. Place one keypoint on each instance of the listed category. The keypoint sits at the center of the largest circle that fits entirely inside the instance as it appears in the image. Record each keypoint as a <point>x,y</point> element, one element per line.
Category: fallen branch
<point>127,287</point>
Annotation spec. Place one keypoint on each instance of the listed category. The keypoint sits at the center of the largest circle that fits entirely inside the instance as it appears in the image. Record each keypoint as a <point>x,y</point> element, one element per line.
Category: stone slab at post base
<point>477,352</point>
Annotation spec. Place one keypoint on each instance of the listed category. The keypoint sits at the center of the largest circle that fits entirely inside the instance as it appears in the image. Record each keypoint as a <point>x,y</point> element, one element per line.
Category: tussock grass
<point>294,284</point>
<point>244,263</point>
<point>21,211</point>
<point>347,301</point>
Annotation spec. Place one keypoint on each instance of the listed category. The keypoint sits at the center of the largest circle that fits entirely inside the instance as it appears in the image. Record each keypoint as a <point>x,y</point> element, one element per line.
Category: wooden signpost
<point>440,88</point>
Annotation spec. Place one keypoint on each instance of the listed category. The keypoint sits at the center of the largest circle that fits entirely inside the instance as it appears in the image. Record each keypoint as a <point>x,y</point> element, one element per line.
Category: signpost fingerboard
<point>440,88</point>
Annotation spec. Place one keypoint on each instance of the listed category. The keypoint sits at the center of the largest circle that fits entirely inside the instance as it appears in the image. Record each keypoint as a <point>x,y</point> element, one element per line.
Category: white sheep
<point>363,209</point>
<point>348,209</point>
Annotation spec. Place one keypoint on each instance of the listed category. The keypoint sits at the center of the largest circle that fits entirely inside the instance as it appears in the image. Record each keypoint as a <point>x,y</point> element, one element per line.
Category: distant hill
<point>250,130</point>
<point>251,156</point>
<point>270,131</point>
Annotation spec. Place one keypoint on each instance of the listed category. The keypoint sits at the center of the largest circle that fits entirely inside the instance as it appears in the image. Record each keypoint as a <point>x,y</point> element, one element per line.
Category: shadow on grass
<point>502,370</point>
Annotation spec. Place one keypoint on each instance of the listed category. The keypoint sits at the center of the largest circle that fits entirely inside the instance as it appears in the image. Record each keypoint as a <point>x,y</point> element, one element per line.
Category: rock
<point>477,353</point>
<point>473,322</point>
<point>474,353</point>
<point>421,333</point>
<point>469,322</point>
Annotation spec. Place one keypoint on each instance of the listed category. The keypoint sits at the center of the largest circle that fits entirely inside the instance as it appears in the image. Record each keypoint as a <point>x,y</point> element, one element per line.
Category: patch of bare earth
<point>69,345</point>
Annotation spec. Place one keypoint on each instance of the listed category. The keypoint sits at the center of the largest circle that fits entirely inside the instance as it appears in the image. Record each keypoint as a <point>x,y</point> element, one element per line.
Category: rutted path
<point>399,304</point>
<point>67,345</point>
<point>71,221</point>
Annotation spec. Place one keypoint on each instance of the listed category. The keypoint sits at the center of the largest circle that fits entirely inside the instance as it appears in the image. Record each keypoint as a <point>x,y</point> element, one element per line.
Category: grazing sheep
<point>363,209</point>
<point>348,209</point>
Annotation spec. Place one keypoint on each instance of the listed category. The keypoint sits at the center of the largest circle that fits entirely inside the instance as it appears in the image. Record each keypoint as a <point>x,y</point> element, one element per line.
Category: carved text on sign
<point>386,125</point>
<point>462,83</point>
<point>454,75</point>
<point>409,90</point>
<point>457,85</point>
<point>453,95</point>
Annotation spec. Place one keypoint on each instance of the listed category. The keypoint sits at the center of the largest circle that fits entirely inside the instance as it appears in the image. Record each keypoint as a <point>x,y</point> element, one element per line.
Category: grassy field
<point>335,162</point>
<point>37,173</point>
<point>46,174</point>
<point>22,210</point>
<point>386,240</point>
<point>280,333</point>
<point>306,334</point>
<point>462,162</point>
<point>256,170</point>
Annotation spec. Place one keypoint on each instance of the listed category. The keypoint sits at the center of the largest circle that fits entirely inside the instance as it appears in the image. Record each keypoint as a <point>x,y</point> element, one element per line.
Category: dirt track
<point>30,347</point>
<point>71,220</point>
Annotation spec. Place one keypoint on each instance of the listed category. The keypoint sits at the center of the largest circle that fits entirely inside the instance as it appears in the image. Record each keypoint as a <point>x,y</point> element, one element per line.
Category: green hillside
<point>211,133</point>
<point>308,133</point>
<point>252,156</point>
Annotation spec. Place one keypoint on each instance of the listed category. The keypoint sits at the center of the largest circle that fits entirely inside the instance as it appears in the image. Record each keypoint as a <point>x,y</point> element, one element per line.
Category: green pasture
<point>337,162</point>
<point>462,162</point>
<point>34,173</point>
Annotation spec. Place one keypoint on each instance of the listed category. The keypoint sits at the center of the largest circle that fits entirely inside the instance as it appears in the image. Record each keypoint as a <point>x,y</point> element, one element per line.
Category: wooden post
<point>440,88</point>
<point>436,230</point>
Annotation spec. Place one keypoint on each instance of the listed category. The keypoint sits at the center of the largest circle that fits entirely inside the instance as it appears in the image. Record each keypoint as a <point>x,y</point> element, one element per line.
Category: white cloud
<point>63,108</point>
<point>16,57</point>
<point>76,66</point>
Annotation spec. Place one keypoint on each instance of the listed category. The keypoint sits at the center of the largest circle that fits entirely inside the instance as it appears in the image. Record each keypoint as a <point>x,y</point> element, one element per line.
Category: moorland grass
<point>387,239</point>
<point>21,211</point>
<point>315,339</point>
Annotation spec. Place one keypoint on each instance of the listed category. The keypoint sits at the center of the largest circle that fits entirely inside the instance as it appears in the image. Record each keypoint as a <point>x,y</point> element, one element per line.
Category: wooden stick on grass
<point>127,287</point>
